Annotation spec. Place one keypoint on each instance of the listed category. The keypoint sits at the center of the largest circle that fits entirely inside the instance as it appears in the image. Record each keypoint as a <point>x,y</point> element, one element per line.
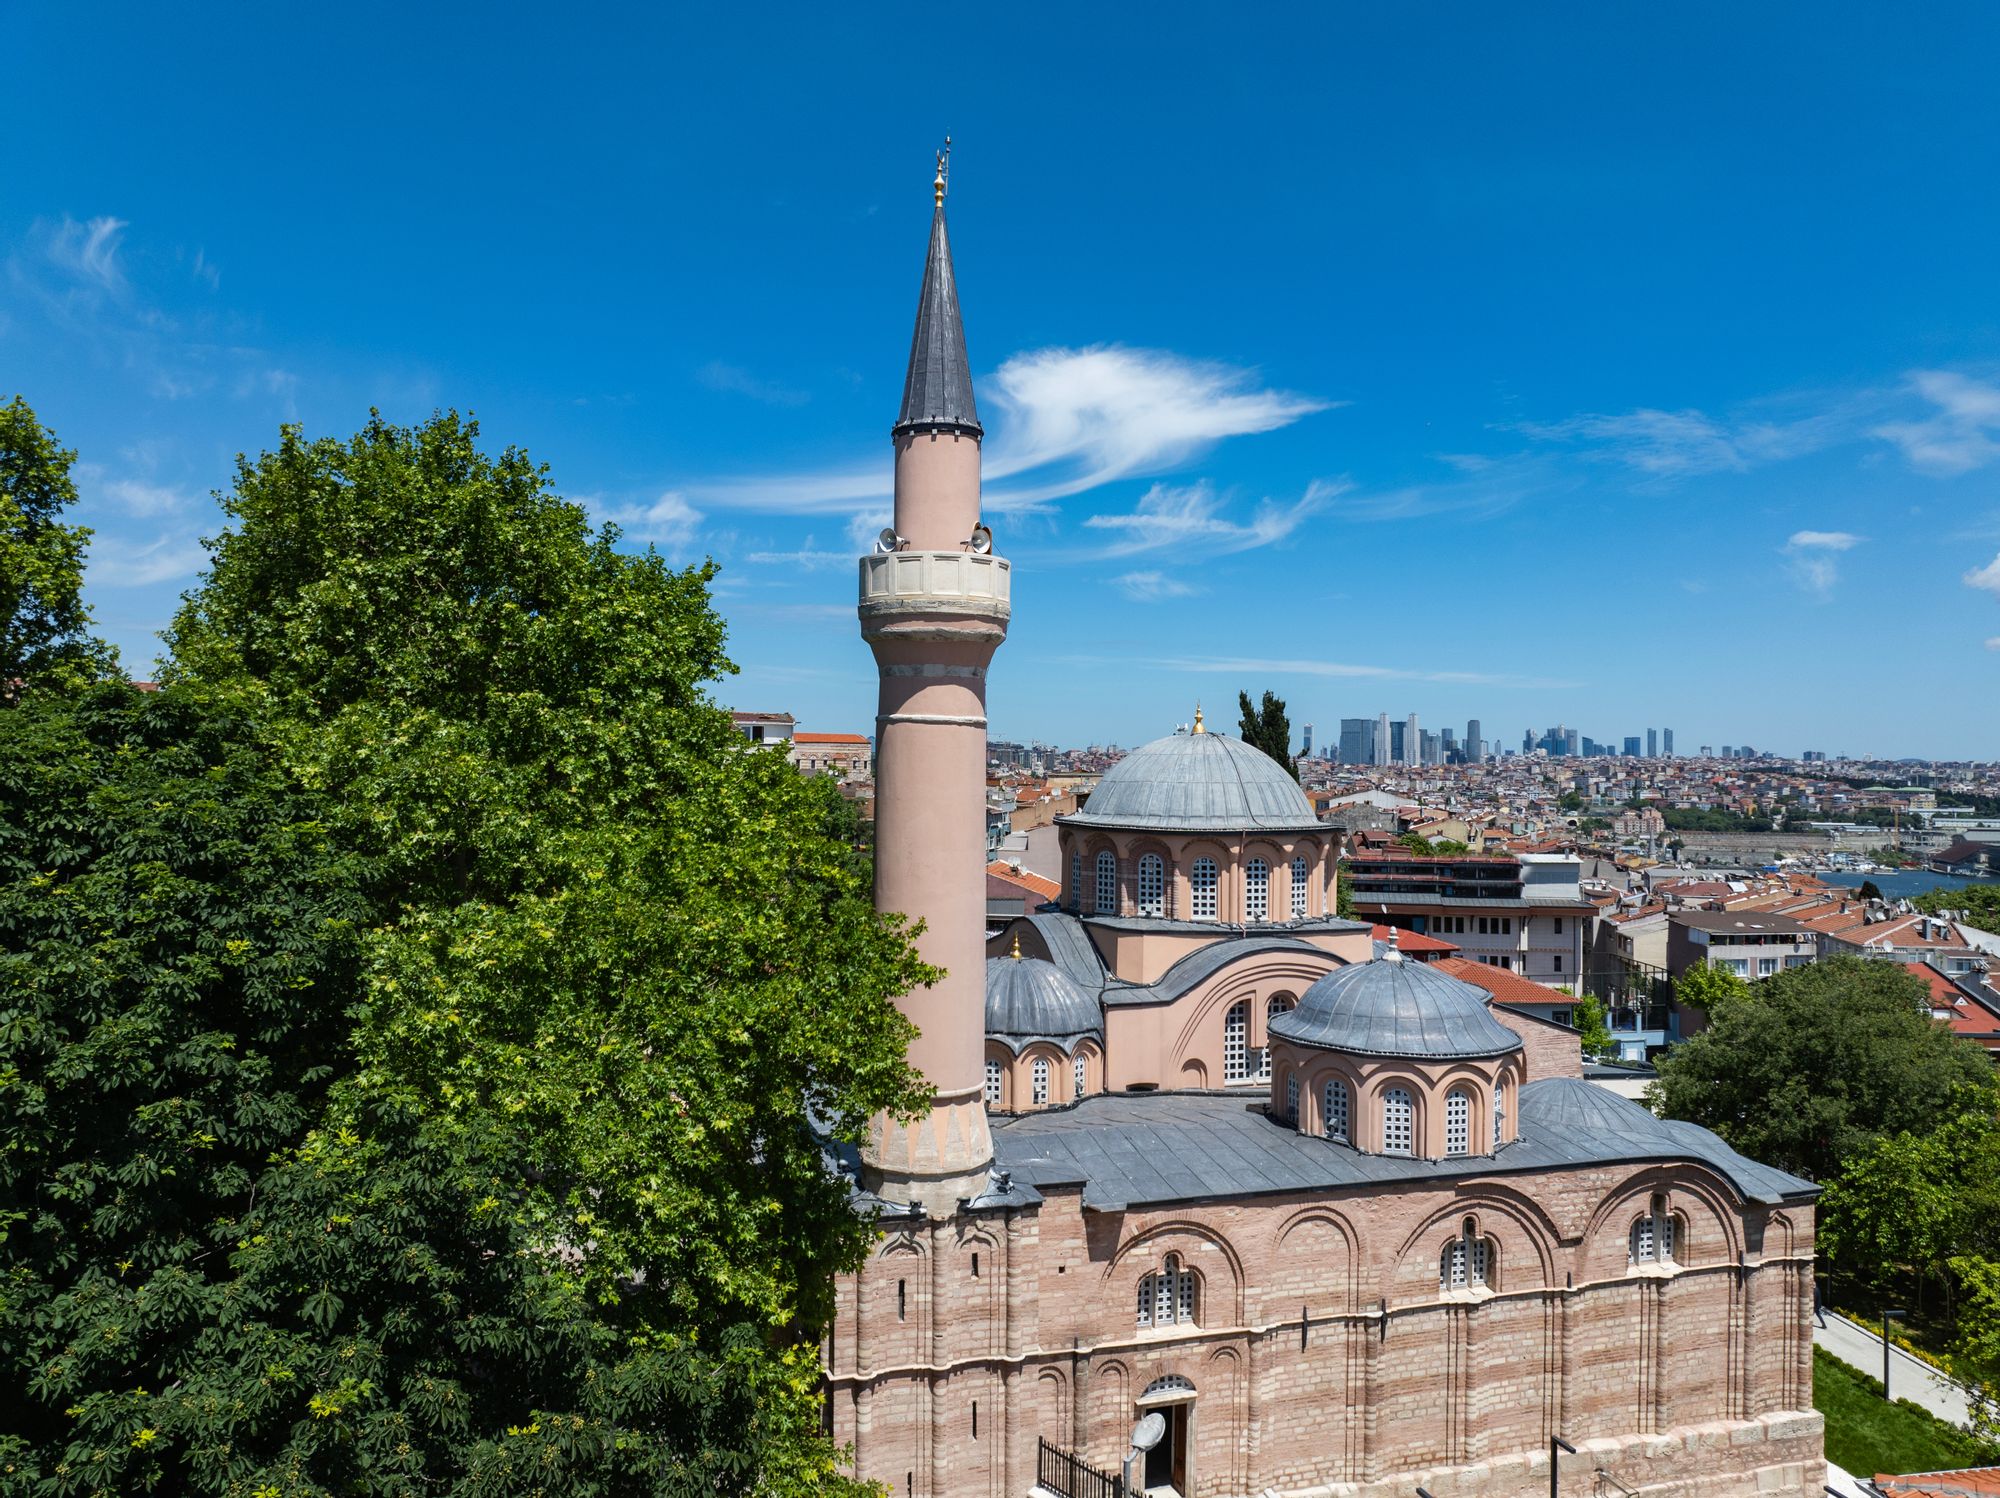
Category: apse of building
<point>1205,1149</point>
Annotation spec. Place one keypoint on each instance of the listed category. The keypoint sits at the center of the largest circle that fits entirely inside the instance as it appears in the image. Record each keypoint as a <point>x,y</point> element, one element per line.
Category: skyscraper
<point>1652,743</point>
<point>1306,749</point>
<point>1357,741</point>
<point>1382,745</point>
<point>1667,742</point>
<point>1475,746</point>
<point>1413,742</point>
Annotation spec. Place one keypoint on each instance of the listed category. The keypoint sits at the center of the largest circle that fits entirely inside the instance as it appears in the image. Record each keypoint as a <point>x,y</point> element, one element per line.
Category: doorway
<point>1168,1467</point>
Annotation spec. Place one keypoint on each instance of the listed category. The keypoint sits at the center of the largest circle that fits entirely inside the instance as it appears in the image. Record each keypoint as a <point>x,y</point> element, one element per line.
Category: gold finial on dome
<point>1198,726</point>
<point>1017,946</point>
<point>943,177</point>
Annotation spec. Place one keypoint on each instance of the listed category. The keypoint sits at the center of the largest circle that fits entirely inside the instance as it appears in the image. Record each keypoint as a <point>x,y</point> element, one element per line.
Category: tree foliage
<point>1708,988</point>
<point>1980,904</point>
<point>1267,727</point>
<point>1588,1018</point>
<point>44,626</point>
<point>1913,1202</point>
<point>1816,1063</point>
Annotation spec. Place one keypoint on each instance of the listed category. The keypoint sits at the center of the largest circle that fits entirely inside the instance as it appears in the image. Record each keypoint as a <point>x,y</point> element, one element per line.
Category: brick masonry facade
<point>1325,1357</point>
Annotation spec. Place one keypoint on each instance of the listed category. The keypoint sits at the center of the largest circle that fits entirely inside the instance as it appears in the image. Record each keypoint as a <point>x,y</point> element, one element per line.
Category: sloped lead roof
<point>1029,999</point>
<point>937,391</point>
<point>1198,782</point>
<point>1392,1008</point>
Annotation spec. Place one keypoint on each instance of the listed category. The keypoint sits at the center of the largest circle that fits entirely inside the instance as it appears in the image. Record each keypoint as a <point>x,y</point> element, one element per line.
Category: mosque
<point>1200,1148</point>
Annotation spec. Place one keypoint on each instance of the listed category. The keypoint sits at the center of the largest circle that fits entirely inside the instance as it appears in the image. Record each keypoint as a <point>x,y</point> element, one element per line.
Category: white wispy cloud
<point>669,521</point>
<point>88,251</point>
<point>145,500</point>
<point>1813,558</point>
<point>1987,577</point>
<point>1060,421</point>
<point>1993,643</point>
<point>808,556</point>
<point>735,380</point>
<point>1151,587</point>
<point>1674,444</point>
<point>1961,434</point>
<point>126,562</point>
<point>1252,666</point>
<point>1191,515</point>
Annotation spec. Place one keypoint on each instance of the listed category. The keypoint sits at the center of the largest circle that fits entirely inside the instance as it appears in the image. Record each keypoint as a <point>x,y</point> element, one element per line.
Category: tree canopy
<point>44,626</point>
<point>1267,727</point>
<point>1816,1063</point>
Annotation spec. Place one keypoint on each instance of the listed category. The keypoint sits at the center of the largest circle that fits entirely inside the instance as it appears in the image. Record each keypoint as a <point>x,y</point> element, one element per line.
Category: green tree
<point>1911,1202</point>
<point>1343,894</point>
<point>1869,890</point>
<point>1979,902</point>
<point>1709,988</point>
<point>619,962</point>
<point>1268,728</point>
<point>1818,1062</point>
<point>1571,801</point>
<point>1588,1018</point>
<point>1975,1350</point>
<point>44,626</point>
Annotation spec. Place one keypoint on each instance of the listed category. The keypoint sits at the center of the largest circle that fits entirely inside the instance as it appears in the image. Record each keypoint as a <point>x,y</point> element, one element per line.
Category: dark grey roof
<point>1071,948</point>
<point>1144,1149</point>
<point>937,391</point>
<point>1390,1007</point>
<point>1029,999</point>
<point>1203,963</point>
<point>1195,782</point>
<point>1731,921</point>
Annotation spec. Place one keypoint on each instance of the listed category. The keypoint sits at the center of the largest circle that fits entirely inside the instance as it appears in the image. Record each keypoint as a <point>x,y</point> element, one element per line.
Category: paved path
<point>1909,1378</point>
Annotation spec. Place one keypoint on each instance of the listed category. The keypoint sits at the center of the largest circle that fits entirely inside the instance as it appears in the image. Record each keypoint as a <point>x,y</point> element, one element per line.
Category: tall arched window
<point>992,1083</point>
<point>1080,1073</point>
<point>1301,872</point>
<point>1653,1235</point>
<point>1292,1099</point>
<point>1499,1114</point>
<point>1076,880</point>
<point>1201,889</point>
<point>1277,1004</point>
<point>1040,1073</point>
<point>1107,883</point>
<point>1256,890</point>
<point>1399,1122</point>
<point>1333,1108</point>
<point>1458,1122</point>
<point>1236,1042</point>
<point>1465,1261</point>
<point>1152,885</point>
<point>1170,1295</point>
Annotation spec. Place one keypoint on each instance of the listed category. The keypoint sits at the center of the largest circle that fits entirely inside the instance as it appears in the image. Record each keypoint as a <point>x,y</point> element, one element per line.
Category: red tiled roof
<point>1411,943</point>
<point>1967,1482</point>
<point>1034,884</point>
<point>1506,986</point>
<point>828,738</point>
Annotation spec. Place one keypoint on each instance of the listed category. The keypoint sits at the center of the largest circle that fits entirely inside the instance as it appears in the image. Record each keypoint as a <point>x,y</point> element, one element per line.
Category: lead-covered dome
<point>1191,782</point>
<point>1389,1007</point>
<point>1028,999</point>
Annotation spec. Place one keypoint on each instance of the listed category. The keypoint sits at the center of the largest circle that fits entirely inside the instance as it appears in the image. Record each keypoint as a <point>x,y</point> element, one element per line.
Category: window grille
<point>1333,1104</point>
<point>1201,889</point>
<point>1653,1235</point>
<point>1168,1296</point>
<point>1458,1123</point>
<point>1080,1069</point>
<point>1292,1098</point>
<point>1152,885</point>
<point>1463,1263</point>
<point>1040,1073</point>
<point>992,1083</point>
<point>1499,1115</point>
<point>1276,1005</point>
<point>1107,884</point>
<point>1300,873</point>
<point>1076,881</point>
<point>1398,1122</point>
<point>1256,890</point>
<point>1236,1042</point>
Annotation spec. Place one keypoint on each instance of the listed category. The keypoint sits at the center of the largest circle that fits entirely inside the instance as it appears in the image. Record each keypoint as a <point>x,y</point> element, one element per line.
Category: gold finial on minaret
<point>1017,946</point>
<point>1198,726</point>
<point>943,179</point>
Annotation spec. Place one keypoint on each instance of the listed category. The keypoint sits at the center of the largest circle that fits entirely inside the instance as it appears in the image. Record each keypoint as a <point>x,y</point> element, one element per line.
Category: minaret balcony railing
<point>959,581</point>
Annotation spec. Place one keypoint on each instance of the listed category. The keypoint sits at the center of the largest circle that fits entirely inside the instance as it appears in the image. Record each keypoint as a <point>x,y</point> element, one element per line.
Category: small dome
<point>1193,782</point>
<point>1389,1007</point>
<point>1029,999</point>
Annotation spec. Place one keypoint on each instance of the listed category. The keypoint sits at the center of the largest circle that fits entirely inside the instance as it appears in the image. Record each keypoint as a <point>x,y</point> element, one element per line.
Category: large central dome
<point>1194,782</point>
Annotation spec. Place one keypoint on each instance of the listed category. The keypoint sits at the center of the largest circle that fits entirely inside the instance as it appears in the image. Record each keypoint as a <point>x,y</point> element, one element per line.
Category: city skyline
<point>1374,373</point>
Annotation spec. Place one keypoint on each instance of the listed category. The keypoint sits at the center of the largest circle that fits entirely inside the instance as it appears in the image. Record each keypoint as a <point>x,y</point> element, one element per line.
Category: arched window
<point>1152,885</point>
<point>1170,1295</point>
<point>1076,880</point>
<point>1201,889</point>
<point>1040,1074</point>
<point>1333,1108</point>
<point>1458,1122</point>
<point>1465,1261</point>
<point>1301,871</point>
<point>1292,1099</point>
<point>1080,1073</point>
<point>1107,883</point>
<point>1236,1042</point>
<point>992,1083</point>
<point>1499,1114</point>
<point>1653,1235</point>
<point>1277,1004</point>
<point>1256,890</point>
<point>1399,1122</point>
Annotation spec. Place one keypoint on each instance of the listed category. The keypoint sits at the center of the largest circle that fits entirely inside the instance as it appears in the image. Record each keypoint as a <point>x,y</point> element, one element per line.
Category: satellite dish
<point>1147,1433</point>
<point>888,540</point>
<point>982,539</point>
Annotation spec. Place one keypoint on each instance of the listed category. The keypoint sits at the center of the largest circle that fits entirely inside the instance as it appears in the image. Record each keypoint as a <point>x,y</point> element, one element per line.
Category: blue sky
<point>1530,363</point>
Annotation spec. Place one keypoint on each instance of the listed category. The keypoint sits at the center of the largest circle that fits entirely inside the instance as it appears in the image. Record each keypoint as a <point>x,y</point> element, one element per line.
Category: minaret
<point>934,608</point>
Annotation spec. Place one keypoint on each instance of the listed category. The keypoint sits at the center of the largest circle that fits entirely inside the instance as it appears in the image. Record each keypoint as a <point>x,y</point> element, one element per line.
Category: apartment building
<point>1522,912</point>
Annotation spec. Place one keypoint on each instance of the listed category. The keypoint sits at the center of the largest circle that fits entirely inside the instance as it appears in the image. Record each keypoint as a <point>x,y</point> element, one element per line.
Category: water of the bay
<point>1905,883</point>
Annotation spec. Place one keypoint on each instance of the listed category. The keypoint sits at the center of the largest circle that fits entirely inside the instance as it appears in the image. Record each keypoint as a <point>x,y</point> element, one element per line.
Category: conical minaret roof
<point>937,392</point>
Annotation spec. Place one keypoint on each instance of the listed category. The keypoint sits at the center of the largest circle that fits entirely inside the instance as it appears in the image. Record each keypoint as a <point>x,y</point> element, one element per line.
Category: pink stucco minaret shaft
<point>934,609</point>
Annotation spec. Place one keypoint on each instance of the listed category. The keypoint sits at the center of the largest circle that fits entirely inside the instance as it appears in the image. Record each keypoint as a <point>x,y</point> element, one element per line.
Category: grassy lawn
<point>1867,1435</point>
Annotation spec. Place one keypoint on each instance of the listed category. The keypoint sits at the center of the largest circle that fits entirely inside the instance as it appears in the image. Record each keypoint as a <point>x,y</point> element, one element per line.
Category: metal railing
<point>1072,1477</point>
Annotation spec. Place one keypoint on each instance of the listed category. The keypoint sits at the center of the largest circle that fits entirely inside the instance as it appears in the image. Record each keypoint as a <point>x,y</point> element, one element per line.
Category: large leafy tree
<point>44,626</point>
<point>611,936</point>
<point>1813,1065</point>
<point>1267,726</point>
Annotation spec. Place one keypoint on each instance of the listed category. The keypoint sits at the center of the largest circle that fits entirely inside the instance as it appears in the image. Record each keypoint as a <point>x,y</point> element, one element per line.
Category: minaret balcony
<point>956,582</point>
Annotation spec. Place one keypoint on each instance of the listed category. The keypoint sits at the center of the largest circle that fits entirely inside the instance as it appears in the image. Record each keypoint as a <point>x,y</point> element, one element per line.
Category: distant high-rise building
<point>1382,744</point>
<point>1631,746</point>
<point>1667,742</point>
<point>1475,746</point>
<point>1429,750</point>
<point>1652,743</point>
<point>1357,741</point>
<point>1729,751</point>
<point>1572,742</point>
<point>1306,748</point>
<point>1528,742</point>
<point>1413,744</point>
